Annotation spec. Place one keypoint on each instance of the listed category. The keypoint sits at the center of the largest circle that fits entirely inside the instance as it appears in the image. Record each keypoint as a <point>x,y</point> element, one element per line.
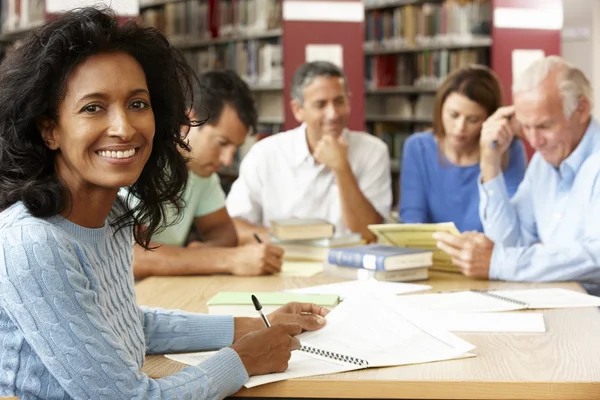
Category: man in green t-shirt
<point>227,105</point>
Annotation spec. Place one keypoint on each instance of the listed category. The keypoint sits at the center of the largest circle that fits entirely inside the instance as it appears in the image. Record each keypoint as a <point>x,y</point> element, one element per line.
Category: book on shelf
<point>352,273</point>
<point>380,257</point>
<point>440,36</point>
<point>240,304</point>
<point>418,236</point>
<point>315,249</point>
<point>301,229</point>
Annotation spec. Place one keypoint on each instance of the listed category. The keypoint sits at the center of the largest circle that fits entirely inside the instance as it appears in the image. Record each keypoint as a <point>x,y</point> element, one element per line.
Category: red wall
<point>298,34</point>
<point>505,40</point>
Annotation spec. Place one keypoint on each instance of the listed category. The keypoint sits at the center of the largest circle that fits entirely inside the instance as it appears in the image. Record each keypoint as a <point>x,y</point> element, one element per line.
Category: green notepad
<point>240,303</point>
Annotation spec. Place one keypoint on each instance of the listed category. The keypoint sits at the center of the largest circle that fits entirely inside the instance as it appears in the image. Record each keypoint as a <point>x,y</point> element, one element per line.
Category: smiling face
<point>462,119</point>
<point>214,145</point>
<point>105,126</point>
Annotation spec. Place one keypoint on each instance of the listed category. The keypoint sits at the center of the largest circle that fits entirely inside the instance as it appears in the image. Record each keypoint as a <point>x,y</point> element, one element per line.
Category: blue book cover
<point>380,257</point>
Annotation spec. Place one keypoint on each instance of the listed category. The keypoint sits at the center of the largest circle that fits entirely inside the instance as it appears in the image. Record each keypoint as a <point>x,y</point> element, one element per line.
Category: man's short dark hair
<point>224,87</point>
<point>308,72</point>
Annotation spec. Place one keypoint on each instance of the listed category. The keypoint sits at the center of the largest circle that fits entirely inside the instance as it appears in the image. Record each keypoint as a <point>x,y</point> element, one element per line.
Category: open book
<point>363,332</point>
<point>418,236</point>
<point>473,301</point>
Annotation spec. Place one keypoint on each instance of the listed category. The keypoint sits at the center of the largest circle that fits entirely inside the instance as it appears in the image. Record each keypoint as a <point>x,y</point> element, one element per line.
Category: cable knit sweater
<point>70,327</point>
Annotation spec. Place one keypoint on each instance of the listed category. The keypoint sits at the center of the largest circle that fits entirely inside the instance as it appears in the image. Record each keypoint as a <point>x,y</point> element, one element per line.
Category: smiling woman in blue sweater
<point>88,106</point>
<point>440,168</point>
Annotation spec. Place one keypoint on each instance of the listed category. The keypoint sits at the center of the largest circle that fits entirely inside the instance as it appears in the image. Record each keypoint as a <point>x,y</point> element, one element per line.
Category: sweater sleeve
<point>172,331</point>
<point>413,201</point>
<point>49,298</point>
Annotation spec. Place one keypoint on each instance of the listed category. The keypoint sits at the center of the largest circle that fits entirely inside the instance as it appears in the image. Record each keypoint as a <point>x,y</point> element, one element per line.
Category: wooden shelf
<point>270,120</point>
<point>268,87</point>
<point>187,42</point>
<point>397,3</point>
<point>402,90</point>
<point>156,3</point>
<point>395,165</point>
<point>479,42</point>
<point>393,118</point>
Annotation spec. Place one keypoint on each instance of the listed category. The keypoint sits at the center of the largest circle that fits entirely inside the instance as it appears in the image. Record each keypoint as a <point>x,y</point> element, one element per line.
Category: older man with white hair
<point>550,229</point>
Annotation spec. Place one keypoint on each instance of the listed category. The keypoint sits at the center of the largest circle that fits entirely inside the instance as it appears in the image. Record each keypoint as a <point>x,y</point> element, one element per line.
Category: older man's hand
<point>471,252</point>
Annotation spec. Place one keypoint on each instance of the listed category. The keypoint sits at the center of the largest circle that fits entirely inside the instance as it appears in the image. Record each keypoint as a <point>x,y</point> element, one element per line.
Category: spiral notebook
<point>363,332</point>
<point>473,301</point>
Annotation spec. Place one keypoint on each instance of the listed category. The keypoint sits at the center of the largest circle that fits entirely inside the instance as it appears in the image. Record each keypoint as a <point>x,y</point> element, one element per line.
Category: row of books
<point>393,136</point>
<point>180,19</point>
<point>401,107</point>
<point>244,17</point>
<point>453,21</point>
<point>255,61</point>
<point>425,69</point>
<point>194,19</point>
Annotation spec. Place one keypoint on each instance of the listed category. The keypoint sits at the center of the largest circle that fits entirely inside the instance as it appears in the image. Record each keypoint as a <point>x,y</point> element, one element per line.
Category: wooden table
<point>562,363</point>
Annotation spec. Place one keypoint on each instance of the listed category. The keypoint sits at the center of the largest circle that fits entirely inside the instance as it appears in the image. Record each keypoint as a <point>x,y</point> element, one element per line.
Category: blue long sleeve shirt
<point>434,190</point>
<point>70,327</point>
<point>550,229</point>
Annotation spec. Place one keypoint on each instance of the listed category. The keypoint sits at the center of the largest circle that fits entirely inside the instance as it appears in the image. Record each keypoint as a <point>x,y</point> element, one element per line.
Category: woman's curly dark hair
<point>33,79</point>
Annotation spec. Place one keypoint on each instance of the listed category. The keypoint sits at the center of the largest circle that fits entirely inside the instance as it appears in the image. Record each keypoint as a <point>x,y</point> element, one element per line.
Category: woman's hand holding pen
<point>268,350</point>
<point>309,317</point>
<point>266,343</point>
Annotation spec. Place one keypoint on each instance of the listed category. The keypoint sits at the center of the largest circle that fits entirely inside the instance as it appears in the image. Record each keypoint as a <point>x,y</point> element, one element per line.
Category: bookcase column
<point>523,25</point>
<point>313,23</point>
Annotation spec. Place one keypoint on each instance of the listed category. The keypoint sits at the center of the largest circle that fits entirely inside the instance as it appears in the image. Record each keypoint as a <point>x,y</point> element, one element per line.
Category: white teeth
<point>117,154</point>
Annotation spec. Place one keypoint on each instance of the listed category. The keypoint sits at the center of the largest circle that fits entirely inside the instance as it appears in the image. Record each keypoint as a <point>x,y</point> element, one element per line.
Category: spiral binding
<point>507,299</point>
<point>334,356</point>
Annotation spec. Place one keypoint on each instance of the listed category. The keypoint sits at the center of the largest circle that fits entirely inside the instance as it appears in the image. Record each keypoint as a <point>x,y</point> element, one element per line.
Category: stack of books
<point>309,239</point>
<point>315,249</point>
<point>301,229</point>
<point>379,261</point>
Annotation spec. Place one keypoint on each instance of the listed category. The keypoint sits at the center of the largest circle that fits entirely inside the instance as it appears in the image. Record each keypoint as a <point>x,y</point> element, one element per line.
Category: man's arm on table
<point>506,221</point>
<point>216,255</point>
<point>357,211</point>
<point>246,230</point>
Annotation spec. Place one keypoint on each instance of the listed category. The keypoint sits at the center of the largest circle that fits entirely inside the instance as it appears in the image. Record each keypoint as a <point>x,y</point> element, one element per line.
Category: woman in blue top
<point>440,168</point>
<point>88,106</point>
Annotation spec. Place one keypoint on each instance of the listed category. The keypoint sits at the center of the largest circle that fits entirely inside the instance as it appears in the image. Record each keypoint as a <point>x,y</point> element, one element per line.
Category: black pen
<point>258,307</point>
<point>257,238</point>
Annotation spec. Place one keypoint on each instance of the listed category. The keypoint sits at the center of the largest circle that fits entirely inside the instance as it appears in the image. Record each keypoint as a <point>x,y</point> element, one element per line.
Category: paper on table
<point>489,322</point>
<point>301,268</point>
<point>362,288</point>
<point>475,302</point>
<point>371,328</point>
<point>418,236</point>
<point>551,298</point>
<point>464,302</point>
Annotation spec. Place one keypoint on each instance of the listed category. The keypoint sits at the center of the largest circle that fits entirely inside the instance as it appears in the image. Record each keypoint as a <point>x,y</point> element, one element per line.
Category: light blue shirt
<point>550,229</point>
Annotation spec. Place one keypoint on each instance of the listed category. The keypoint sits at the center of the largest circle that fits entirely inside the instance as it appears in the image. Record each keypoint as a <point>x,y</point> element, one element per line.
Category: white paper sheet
<point>362,288</point>
<point>508,322</point>
<point>374,329</point>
